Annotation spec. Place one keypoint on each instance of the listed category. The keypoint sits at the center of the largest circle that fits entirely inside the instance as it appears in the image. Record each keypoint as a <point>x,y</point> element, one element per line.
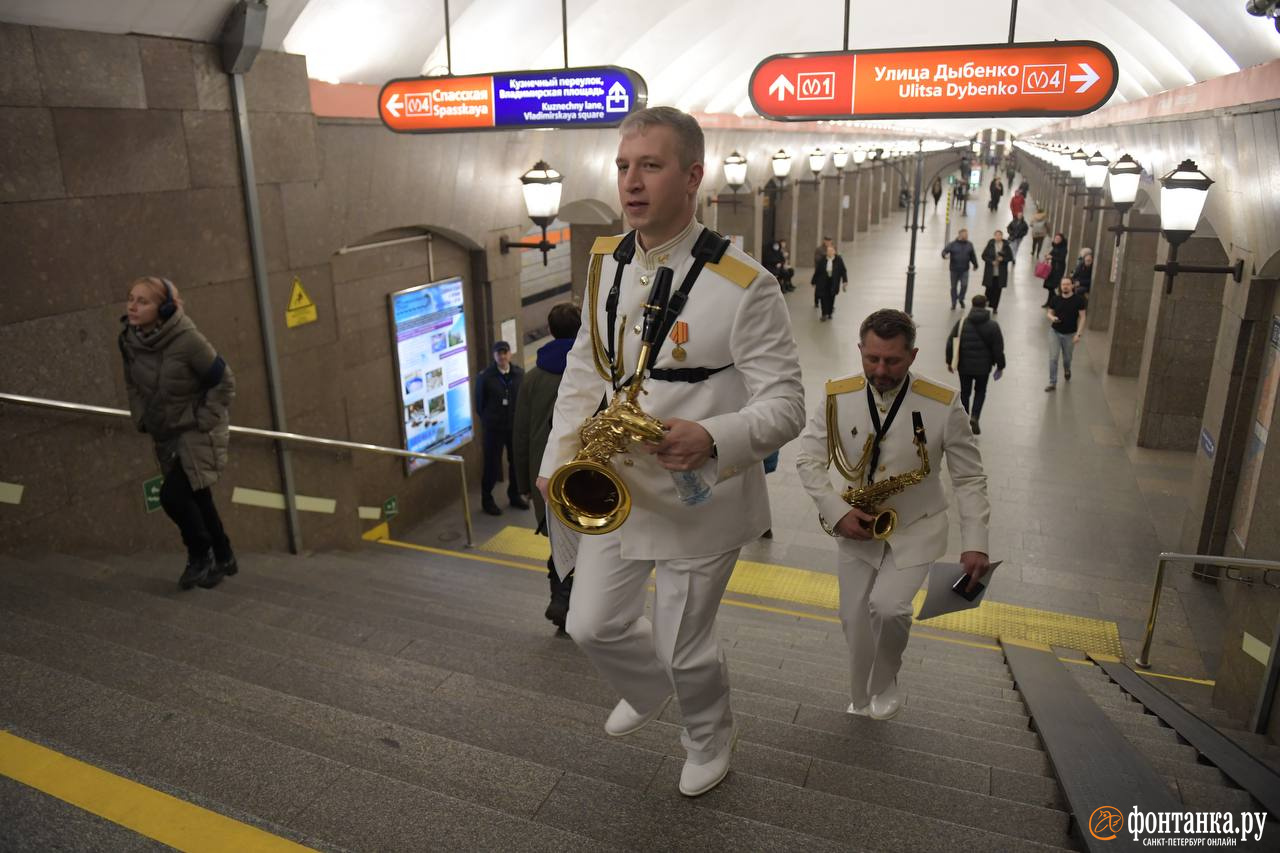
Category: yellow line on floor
<point>992,619</point>
<point>921,630</point>
<point>1202,681</point>
<point>144,810</point>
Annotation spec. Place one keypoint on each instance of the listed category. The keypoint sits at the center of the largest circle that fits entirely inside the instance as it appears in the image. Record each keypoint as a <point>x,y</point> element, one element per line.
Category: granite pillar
<point>1177,359</point>
<point>1131,304</point>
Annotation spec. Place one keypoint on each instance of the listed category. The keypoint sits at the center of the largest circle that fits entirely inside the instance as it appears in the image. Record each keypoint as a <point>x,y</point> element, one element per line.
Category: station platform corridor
<point>409,695</point>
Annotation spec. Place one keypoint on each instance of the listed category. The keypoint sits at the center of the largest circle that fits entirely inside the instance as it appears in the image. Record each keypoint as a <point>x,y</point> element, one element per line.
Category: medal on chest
<point>679,336</point>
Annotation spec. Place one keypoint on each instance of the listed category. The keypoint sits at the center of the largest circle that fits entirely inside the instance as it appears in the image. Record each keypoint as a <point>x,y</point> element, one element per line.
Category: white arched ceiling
<point>697,54</point>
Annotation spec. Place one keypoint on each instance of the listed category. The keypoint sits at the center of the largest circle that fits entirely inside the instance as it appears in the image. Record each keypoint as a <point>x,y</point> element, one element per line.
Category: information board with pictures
<point>429,329</point>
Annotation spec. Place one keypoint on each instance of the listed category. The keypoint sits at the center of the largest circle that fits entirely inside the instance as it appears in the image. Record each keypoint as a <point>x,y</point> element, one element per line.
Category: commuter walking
<point>936,192</point>
<point>497,390</point>
<point>974,346</point>
<point>878,578</point>
<point>1010,169</point>
<point>788,271</point>
<point>819,258</point>
<point>1082,277</point>
<point>1039,230</point>
<point>1067,311</point>
<point>1057,258</point>
<point>997,192</point>
<point>1018,203</point>
<point>1017,230</point>
<point>963,257</point>
<point>996,257</point>
<point>532,425</point>
<point>180,393</point>
<point>828,277</point>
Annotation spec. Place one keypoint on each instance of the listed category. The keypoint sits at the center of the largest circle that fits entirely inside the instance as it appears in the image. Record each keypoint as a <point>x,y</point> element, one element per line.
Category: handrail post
<point>466,505</point>
<point>1144,657</point>
<point>1267,694</point>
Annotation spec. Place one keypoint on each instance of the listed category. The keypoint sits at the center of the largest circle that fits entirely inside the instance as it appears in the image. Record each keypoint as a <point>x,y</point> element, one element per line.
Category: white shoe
<point>886,705</point>
<point>625,720</point>
<point>857,711</point>
<point>697,779</point>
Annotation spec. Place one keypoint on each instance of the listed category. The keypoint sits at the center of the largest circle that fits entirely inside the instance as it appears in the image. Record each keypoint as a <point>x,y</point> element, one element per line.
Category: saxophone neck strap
<point>881,430</point>
<point>623,254</point>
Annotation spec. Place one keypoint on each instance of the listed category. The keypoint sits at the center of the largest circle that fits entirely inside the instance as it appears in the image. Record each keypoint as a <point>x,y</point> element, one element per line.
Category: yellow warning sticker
<point>301,309</point>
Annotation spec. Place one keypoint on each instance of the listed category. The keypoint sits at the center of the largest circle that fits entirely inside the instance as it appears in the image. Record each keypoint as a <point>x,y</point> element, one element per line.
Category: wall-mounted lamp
<point>735,175</point>
<point>1124,177</point>
<point>781,163</point>
<point>1095,175</point>
<point>859,157</point>
<point>1183,193</point>
<point>840,159</point>
<point>817,162</point>
<point>541,186</point>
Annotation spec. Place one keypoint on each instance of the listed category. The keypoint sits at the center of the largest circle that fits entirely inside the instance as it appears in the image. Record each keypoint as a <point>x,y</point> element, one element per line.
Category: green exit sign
<point>390,508</point>
<point>151,493</point>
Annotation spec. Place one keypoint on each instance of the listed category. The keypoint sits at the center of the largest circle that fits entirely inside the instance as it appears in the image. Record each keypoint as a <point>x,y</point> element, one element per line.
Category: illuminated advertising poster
<point>429,327</point>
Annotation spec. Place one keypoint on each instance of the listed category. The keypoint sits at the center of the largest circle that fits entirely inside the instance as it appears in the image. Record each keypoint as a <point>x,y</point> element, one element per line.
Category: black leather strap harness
<point>709,248</point>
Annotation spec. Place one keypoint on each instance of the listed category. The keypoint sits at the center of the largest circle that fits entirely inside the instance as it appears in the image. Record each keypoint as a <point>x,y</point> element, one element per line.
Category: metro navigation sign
<point>1061,78</point>
<point>514,100</point>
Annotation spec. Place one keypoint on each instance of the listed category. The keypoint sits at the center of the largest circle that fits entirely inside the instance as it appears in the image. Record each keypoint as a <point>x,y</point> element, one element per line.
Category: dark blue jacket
<point>962,254</point>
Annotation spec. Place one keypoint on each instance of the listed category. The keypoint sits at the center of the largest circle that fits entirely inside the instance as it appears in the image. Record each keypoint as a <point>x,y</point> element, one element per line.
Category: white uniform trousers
<point>642,660</point>
<point>875,610</point>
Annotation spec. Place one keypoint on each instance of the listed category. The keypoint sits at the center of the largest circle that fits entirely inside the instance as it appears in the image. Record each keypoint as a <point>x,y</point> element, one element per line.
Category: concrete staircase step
<point>201,689</point>
<point>235,772</point>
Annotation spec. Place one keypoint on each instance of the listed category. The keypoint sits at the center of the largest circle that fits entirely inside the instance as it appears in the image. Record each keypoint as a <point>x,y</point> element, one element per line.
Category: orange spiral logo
<point>1105,823</point>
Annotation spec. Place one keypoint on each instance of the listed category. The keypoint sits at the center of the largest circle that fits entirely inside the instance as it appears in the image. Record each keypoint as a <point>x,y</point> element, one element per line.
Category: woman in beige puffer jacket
<point>180,391</point>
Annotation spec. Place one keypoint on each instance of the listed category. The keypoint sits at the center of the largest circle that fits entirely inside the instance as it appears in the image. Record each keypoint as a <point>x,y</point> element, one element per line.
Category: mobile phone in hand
<point>959,588</point>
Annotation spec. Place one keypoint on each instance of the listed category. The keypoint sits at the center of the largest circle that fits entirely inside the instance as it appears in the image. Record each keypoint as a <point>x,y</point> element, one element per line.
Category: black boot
<point>490,506</point>
<point>197,571</point>
<point>557,611</point>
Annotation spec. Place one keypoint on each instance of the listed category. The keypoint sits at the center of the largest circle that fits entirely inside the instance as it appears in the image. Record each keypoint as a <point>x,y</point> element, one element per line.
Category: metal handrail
<point>1144,659</point>
<point>65,406</point>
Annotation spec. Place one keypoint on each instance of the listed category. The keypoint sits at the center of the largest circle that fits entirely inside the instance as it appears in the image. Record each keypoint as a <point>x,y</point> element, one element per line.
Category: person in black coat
<point>995,271</point>
<point>828,276</point>
<point>997,191</point>
<point>1057,265</point>
<point>981,347</point>
<point>775,261</point>
<point>495,394</point>
<point>1083,275</point>
<point>1016,229</point>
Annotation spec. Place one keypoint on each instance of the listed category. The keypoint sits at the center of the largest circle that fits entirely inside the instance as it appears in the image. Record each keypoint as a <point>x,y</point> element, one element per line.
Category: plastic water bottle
<point>691,487</point>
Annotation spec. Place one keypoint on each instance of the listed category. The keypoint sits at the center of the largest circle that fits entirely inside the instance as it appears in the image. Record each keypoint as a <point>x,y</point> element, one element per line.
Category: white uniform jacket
<point>735,315</point>
<point>921,532</point>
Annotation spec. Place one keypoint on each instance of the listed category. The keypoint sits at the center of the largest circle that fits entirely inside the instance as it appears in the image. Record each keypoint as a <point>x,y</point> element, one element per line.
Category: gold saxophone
<point>586,494</point>
<point>868,498</point>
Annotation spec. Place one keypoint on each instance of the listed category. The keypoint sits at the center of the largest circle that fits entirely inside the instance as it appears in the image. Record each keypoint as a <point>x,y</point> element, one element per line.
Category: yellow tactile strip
<point>817,589</point>
<point>144,810</point>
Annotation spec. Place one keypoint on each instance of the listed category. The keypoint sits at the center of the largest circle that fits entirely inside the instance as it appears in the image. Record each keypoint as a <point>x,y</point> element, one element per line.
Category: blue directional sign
<point>513,100</point>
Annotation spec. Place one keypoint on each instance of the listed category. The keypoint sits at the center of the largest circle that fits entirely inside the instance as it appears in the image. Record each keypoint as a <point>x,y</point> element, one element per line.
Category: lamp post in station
<point>1183,193</point>
<point>839,159</point>
<point>818,162</point>
<point>542,186</point>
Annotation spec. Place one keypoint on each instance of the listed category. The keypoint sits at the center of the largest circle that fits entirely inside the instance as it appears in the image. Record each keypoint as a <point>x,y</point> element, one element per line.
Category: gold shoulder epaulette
<point>844,386</point>
<point>941,393</point>
<point>736,271</point>
<point>606,245</point>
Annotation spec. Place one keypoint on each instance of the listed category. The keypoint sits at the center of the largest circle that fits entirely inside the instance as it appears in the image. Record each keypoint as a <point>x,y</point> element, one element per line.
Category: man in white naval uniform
<point>878,578</point>
<point>727,387</point>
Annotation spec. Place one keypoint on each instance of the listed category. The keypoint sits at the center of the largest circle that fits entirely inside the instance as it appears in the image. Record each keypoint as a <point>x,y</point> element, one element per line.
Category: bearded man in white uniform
<point>726,385</point>
<point>874,422</point>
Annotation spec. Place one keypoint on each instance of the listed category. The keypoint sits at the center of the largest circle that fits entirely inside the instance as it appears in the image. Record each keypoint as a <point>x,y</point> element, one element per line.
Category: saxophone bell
<point>586,494</point>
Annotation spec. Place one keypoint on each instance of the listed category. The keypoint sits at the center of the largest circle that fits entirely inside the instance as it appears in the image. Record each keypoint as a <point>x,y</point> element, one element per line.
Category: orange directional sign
<point>1065,78</point>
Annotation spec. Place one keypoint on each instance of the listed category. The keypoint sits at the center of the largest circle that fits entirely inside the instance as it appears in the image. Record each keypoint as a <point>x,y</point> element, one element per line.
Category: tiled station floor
<point>1078,512</point>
